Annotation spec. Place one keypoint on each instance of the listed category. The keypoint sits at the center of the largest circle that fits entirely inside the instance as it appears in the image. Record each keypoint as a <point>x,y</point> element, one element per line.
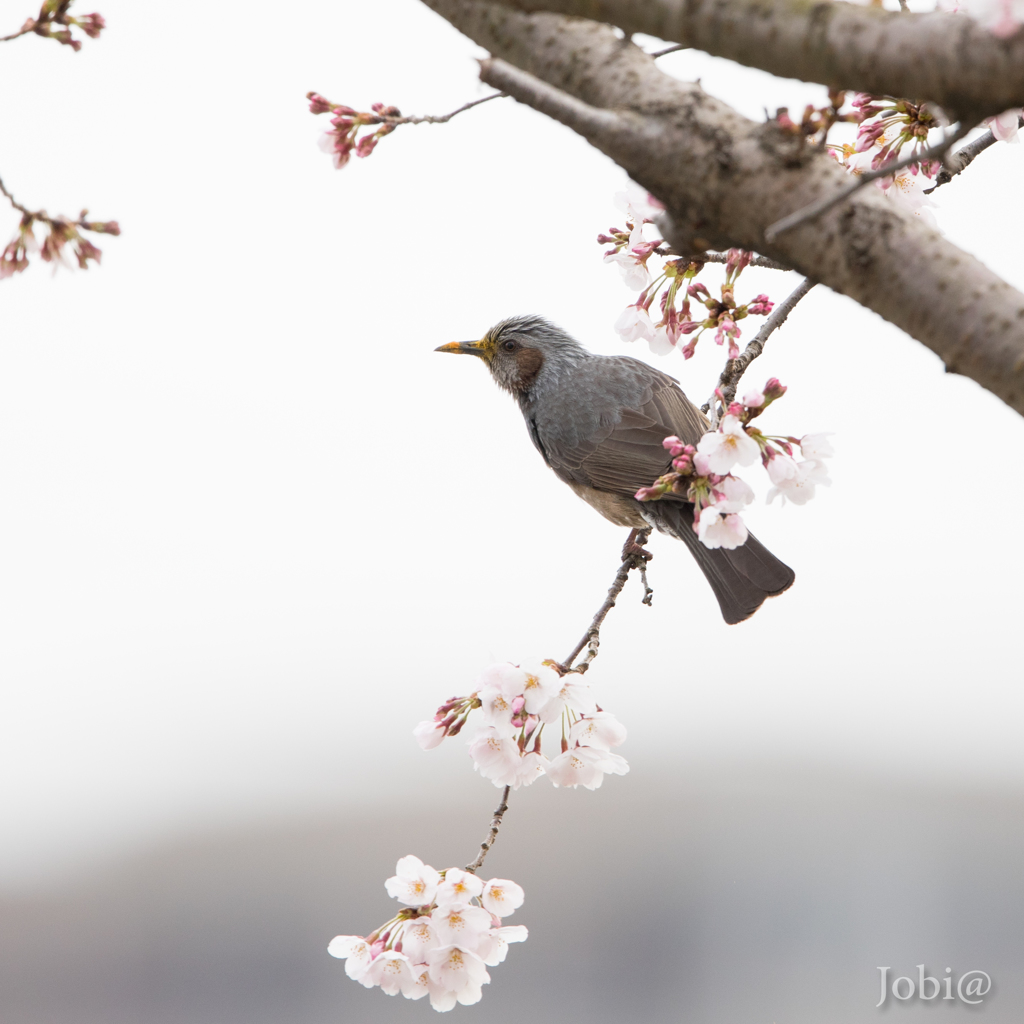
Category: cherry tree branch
<point>735,368</point>
<point>720,257</point>
<point>814,210</point>
<point>492,833</point>
<point>948,59</point>
<point>443,118</point>
<point>958,162</point>
<point>633,557</point>
<point>724,179</point>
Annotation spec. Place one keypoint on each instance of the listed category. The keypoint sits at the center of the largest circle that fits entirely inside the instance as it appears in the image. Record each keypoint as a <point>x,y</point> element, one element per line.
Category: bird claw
<point>631,549</point>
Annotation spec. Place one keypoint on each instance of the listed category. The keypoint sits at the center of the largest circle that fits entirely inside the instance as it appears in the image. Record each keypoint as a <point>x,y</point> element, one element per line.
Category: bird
<point>599,422</point>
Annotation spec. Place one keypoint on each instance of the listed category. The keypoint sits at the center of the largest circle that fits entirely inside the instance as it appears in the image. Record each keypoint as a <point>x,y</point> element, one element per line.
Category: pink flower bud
<point>318,104</point>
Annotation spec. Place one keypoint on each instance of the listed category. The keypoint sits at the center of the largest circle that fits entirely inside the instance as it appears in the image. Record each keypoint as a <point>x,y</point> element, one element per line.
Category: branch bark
<point>724,179</point>
<point>948,59</point>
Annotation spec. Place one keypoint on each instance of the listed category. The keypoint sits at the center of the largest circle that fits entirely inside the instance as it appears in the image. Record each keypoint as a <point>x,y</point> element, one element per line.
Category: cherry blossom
<point>517,703</point>
<point>601,730</point>
<point>721,531</point>
<point>1004,126</point>
<point>728,446</point>
<point>440,949</point>
<point>634,324</point>
<point>458,887</point>
<point>799,488</point>
<point>496,757</point>
<point>502,897</point>
<point>459,975</point>
<point>732,494</point>
<point>429,734</point>
<point>585,766</point>
<point>413,883</point>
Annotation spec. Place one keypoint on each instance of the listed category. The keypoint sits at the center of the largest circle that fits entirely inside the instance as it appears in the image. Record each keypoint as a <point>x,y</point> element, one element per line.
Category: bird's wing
<point>621,449</point>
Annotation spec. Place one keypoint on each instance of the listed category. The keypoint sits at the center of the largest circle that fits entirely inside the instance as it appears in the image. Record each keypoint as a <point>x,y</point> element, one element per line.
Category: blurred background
<point>254,529</point>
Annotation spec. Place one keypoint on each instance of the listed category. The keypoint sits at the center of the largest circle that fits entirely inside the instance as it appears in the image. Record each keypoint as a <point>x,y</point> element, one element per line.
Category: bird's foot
<point>634,550</point>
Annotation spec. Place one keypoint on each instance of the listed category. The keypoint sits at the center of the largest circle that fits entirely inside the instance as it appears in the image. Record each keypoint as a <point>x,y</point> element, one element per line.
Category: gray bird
<point>599,423</point>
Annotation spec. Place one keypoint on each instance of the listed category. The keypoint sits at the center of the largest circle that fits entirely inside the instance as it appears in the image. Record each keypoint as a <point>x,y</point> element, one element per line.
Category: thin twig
<point>668,49</point>
<point>492,833</point>
<point>958,162</point>
<point>441,119</point>
<point>29,26</point>
<point>633,557</point>
<point>631,560</point>
<point>735,368</point>
<point>817,209</point>
<point>720,257</point>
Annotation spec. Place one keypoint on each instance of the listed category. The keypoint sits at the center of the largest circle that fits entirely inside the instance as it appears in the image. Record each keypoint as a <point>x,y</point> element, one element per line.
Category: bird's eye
<point>509,346</point>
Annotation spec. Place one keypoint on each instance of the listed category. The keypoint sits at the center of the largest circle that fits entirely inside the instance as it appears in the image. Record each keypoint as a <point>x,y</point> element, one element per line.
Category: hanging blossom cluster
<point>442,941</point>
<point>63,237</point>
<point>54,22</point>
<point>516,705</point>
<point>703,474</point>
<point>344,139</point>
<point>887,125</point>
<point>698,311</point>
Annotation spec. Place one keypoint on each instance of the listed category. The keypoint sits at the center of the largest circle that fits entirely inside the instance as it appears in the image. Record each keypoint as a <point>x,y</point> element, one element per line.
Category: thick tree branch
<point>946,58</point>
<point>724,179</point>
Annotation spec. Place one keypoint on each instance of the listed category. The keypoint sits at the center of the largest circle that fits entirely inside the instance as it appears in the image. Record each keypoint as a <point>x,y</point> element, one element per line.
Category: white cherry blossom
<point>460,924</point>
<point>502,897</point>
<point>391,971</point>
<point>907,191</point>
<point>496,757</point>
<point>781,468</point>
<point>572,693</point>
<point>457,973</point>
<point>429,734</point>
<point>458,887</point>
<point>816,446</point>
<point>728,446</point>
<point>718,531</point>
<point>601,730</point>
<point>736,494</point>
<point>799,488</point>
<point>356,953</point>
<point>531,767</point>
<point>418,937</point>
<point>496,710</point>
<point>542,683</point>
<point>494,947</point>
<point>508,679</point>
<point>414,883</point>
<point>419,985</point>
<point>585,766</point>
<point>634,324</point>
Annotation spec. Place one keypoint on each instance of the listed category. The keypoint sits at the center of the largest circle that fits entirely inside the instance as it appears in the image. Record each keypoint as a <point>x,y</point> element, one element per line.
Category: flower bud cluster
<point>344,139</point>
<point>55,13</point>
<point>62,236</point>
<point>442,942</point>
<point>815,123</point>
<point>887,124</point>
<point>516,704</point>
<point>675,283</point>
<point>703,474</point>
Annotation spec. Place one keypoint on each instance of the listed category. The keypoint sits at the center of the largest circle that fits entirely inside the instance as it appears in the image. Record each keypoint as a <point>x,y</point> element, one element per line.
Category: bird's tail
<point>742,578</point>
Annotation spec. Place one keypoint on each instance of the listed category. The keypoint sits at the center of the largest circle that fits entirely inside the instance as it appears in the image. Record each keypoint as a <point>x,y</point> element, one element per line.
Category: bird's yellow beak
<point>484,348</point>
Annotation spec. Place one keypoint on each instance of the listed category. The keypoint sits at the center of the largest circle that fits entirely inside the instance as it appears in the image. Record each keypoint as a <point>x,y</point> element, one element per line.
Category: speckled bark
<point>724,179</point>
<point>945,58</point>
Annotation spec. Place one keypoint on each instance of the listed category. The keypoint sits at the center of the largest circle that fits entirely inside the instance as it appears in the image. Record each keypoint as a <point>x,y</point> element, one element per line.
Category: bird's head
<point>519,350</point>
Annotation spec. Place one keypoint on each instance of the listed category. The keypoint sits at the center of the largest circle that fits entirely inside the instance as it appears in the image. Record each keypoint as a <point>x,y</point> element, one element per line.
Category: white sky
<point>254,529</point>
